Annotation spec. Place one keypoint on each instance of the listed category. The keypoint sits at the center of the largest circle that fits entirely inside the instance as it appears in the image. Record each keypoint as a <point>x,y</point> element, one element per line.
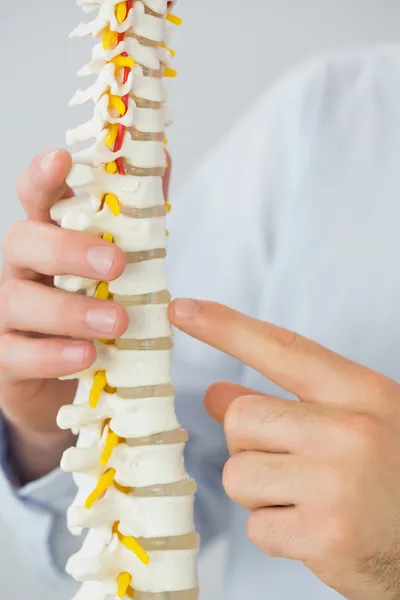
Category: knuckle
<point>282,338</point>
<point>274,411</point>
<point>60,248</point>
<point>6,344</point>
<point>376,390</point>
<point>11,287</point>
<point>253,528</point>
<point>364,432</point>
<point>232,477</point>
<point>8,294</point>
<point>268,535</point>
<point>344,488</point>
<point>64,309</point>
<point>31,183</point>
<point>21,186</point>
<point>11,237</point>
<point>234,416</point>
<point>338,484</point>
<point>376,384</point>
<point>334,536</point>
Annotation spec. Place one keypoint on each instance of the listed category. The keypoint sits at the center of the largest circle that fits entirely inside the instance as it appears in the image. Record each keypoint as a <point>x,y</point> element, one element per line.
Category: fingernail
<point>101,259</point>
<point>47,161</point>
<point>102,319</point>
<point>74,354</point>
<point>185,309</point>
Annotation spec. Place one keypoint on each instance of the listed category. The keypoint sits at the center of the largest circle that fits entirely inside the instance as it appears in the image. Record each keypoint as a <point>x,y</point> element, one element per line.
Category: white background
<point>229,51</point>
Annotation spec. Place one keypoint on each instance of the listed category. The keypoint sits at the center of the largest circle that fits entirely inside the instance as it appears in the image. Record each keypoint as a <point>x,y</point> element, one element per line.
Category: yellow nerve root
<point>172,52</point>
<point>113,204</point>
<point>117,103</point>
<point>174,19</point>
<point>168,206</point>
<point>165,141</point>
<point>111,168</point>
<point>130,592</point>
<point>98,387</point>
<point>112,135</point>
<point>132,544</point>
<point>102,291</point>
<point>121,12</point>
<point>105,481</point>
<point>124,582</point>
<point>111,442</point>
<point>170,72</point>
<point>107,237</point>
<point>109,38</point>
<point>124,61</point>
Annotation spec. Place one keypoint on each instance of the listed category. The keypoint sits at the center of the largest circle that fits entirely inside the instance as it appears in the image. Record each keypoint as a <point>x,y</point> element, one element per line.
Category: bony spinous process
<point>134,495</point>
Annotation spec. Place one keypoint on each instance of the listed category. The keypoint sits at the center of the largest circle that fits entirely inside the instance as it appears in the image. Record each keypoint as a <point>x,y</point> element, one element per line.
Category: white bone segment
<point>134,497</point>
<point>133,418</point>
<point>144,517</point>
<point>130,234</point>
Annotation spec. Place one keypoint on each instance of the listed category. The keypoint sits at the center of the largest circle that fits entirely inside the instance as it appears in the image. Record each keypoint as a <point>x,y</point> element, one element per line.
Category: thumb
<point>43,184</point>
<point>220,396</point>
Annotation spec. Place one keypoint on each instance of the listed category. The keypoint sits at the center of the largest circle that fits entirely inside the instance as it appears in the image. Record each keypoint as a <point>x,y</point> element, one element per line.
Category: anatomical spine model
<point>134,495</point>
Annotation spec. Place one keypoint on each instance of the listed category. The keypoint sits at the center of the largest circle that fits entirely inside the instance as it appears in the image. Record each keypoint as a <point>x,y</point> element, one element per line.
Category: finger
<point>167,176</point>
<point>31,247</point>
<point>23,358</point>
<point>43,184</point>
<point>277,532</point>
<point>31,307</point>
<point>271,424</point>
<point>220,396</point>
<point>296,364</point>
<point>258,479</point>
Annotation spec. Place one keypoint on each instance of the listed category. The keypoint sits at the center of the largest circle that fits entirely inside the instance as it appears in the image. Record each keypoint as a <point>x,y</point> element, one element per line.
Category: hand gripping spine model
<point>134,495</point>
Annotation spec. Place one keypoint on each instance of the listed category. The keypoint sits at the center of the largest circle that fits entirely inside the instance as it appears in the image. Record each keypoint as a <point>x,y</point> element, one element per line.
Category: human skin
<point>320,476</point>
<point>38,321</point>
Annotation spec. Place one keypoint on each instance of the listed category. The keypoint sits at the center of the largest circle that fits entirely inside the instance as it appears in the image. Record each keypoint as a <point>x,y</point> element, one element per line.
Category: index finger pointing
<point>294,363</point>
<point>43,184</point>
